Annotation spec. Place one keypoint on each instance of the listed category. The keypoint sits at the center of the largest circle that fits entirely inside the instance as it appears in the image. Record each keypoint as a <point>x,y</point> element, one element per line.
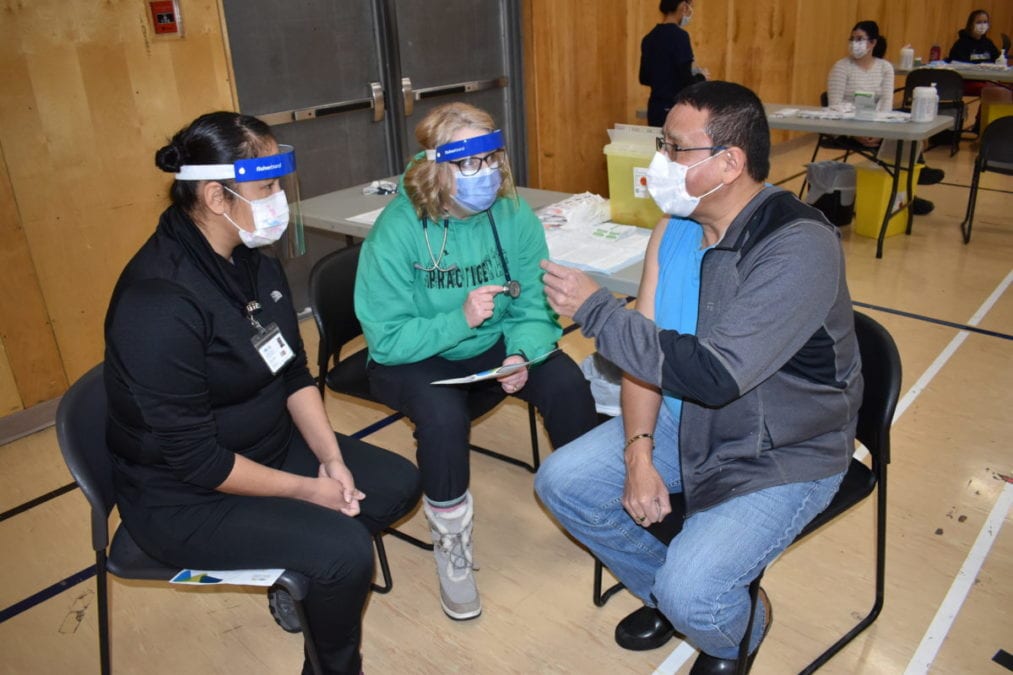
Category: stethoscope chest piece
<point>513,288</point>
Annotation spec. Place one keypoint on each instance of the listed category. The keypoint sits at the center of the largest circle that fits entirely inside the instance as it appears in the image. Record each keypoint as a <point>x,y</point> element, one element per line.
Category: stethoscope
<point>512,286</point>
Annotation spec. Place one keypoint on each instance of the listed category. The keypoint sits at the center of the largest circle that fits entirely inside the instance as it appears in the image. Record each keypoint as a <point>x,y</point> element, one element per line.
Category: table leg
<point>893,196</point>
<point>910,186</point>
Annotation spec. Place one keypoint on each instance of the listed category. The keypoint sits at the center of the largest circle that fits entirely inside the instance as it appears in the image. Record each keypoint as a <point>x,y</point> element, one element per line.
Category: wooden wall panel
<point>576,89</point>
<point>94,94</point>
<point>782,49</point>
<point>31,368</point>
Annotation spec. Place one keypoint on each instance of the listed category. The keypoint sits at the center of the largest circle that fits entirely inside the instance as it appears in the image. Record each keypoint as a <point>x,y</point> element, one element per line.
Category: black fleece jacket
<point>187,388</point>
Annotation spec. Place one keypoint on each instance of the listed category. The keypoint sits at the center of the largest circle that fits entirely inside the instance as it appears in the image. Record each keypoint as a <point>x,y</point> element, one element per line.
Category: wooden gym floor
<point>949,565</point>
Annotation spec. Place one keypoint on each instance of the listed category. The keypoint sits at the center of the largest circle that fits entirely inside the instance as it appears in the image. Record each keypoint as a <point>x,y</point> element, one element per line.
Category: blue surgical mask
<point>477,192</point>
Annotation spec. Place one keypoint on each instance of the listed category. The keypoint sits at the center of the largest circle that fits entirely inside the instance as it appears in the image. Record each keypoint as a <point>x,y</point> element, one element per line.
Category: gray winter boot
<point>451,532</point>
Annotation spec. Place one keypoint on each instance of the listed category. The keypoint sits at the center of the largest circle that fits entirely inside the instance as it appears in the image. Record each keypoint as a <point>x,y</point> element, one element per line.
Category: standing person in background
<point>666,59</point>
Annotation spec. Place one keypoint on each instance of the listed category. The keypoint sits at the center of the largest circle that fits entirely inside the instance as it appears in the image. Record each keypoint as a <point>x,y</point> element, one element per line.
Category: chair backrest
<point>881,370</point>
<point>332,287</point>
<point>949,84</point>
<point>81,434</point>
<point>997,145</point>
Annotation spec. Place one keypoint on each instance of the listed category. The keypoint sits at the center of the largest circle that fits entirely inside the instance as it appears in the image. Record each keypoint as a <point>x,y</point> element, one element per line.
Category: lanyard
<point>513,288</point>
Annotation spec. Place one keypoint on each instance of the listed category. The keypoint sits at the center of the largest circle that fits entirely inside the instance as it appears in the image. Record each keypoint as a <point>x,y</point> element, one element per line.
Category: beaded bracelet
<point>636,437</point>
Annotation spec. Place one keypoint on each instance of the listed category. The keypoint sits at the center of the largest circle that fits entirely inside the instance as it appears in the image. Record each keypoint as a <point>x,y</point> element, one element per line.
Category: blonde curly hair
<point>429,185</point>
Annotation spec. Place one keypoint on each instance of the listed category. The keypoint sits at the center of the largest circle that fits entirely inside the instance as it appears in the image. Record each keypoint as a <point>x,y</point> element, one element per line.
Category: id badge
<point>271,346</point>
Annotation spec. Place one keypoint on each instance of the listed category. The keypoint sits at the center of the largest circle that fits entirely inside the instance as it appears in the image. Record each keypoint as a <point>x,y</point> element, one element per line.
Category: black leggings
<point>332,549</point>
<point>442,416</point>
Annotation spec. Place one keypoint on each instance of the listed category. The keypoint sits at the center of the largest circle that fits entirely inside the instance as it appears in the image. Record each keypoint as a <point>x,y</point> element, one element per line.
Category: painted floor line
<point>676,660</point>
<point>961,587</point>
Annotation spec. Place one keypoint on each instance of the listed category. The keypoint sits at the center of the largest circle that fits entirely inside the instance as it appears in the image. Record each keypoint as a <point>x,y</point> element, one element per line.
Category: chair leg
<point>381,555</point>
<point>972,198</point>
<point>877,605</point>
<point>102,590</point>
<point>408,538</point>
<point>533,430</point>
<point>597,596</point>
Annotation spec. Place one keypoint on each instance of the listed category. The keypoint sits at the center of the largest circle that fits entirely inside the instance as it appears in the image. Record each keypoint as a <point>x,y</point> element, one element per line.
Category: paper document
<point>493,373</point>
<point>605,248</point>
<point>232,577</point>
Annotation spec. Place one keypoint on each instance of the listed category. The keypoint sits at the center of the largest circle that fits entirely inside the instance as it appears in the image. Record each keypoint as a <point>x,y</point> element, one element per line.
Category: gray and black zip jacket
<point>771,382</point>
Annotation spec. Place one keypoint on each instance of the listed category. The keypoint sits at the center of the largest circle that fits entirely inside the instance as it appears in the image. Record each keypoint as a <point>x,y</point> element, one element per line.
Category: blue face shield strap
<point>454,150</point>
<point>244,170</point>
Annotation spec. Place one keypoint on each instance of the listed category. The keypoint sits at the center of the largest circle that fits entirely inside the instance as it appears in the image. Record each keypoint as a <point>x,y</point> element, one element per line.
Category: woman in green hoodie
<point>448,285</point>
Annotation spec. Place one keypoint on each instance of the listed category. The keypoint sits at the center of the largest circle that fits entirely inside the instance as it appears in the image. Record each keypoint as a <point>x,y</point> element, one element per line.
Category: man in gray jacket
<point>741,389</point>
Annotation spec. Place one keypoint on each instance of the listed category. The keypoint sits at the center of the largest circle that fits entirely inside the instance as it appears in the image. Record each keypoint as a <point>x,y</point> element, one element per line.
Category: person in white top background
<point>865,69</point>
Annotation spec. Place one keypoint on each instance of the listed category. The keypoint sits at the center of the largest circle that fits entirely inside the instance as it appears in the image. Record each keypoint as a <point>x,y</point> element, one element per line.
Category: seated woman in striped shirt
<point>865,69</point>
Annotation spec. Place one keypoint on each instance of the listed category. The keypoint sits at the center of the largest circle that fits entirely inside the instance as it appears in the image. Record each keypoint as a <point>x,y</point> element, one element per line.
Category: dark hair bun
<point>169,158</point>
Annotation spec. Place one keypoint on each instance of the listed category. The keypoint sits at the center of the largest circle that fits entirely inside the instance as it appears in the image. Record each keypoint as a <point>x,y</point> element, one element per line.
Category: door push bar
<point>410,95</point>
<point>375,100</point>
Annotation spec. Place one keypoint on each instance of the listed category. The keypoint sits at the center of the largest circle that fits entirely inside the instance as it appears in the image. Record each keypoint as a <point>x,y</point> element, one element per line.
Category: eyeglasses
<point>670,149</point>
<point>469,166</point>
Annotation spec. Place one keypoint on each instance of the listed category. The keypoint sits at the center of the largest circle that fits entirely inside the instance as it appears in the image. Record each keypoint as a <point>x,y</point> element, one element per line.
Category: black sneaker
<point>282,607</point>
<point>921,207</point>
<point>930,176</point>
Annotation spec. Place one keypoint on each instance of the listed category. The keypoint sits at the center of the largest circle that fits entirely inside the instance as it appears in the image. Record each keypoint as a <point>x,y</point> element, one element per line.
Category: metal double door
<point>346,81</point>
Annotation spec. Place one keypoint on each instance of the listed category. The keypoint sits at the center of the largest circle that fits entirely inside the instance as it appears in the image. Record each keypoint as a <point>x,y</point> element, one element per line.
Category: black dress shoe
<point>921,207</point>
<point>930,176</point>
<point>646,628</point>
<point>706,664</point>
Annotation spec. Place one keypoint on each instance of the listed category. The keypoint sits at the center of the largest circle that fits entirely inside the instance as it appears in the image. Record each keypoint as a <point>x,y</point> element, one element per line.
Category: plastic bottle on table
<point>907,57</point>
<point>924,104</point>
<point>1001,61</point>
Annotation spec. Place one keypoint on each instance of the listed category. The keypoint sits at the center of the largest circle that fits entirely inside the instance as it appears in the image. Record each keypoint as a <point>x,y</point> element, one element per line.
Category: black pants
<point>442,413</point>
<point>332,549</point>
<point>657,111</point>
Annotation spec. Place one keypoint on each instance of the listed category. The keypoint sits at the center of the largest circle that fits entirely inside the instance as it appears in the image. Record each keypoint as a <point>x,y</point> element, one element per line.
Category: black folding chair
<point>81,433</point>
<point>332,299</point>
<point>881,370</point>
<point>332,287</point>
<point>996,155</point>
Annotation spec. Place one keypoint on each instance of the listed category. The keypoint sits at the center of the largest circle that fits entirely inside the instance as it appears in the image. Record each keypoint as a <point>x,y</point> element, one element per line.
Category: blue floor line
<point>46,594</point>
<point>376,426</point>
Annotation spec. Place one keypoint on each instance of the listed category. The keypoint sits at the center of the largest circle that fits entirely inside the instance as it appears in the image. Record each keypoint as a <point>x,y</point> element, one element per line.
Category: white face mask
<point>666,182</point>
<point>859,48</point>
<point>981,28</point>
<point>686,18</point>
<point>270,219</point>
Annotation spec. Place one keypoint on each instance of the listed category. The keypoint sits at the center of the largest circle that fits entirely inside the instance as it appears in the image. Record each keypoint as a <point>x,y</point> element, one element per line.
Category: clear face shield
<point>280,168</point>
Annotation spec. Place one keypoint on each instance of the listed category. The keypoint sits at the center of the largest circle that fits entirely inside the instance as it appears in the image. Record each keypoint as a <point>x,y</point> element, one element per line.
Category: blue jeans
<point>701,580</point>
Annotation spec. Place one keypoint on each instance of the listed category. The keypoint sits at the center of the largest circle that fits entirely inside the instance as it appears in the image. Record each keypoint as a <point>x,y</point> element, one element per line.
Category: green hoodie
<point>409,315</point>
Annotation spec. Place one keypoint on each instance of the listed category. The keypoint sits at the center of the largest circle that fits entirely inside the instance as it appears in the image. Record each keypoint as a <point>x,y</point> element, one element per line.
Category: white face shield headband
<point>280,167</point>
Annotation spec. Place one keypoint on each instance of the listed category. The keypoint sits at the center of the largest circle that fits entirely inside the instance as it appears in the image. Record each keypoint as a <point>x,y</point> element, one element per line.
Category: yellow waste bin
<point>872,193</point>
<point>628,156</point>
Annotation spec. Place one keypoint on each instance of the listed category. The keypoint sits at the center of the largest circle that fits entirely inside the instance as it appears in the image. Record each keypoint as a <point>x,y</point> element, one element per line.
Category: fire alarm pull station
<point>165,18</point>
